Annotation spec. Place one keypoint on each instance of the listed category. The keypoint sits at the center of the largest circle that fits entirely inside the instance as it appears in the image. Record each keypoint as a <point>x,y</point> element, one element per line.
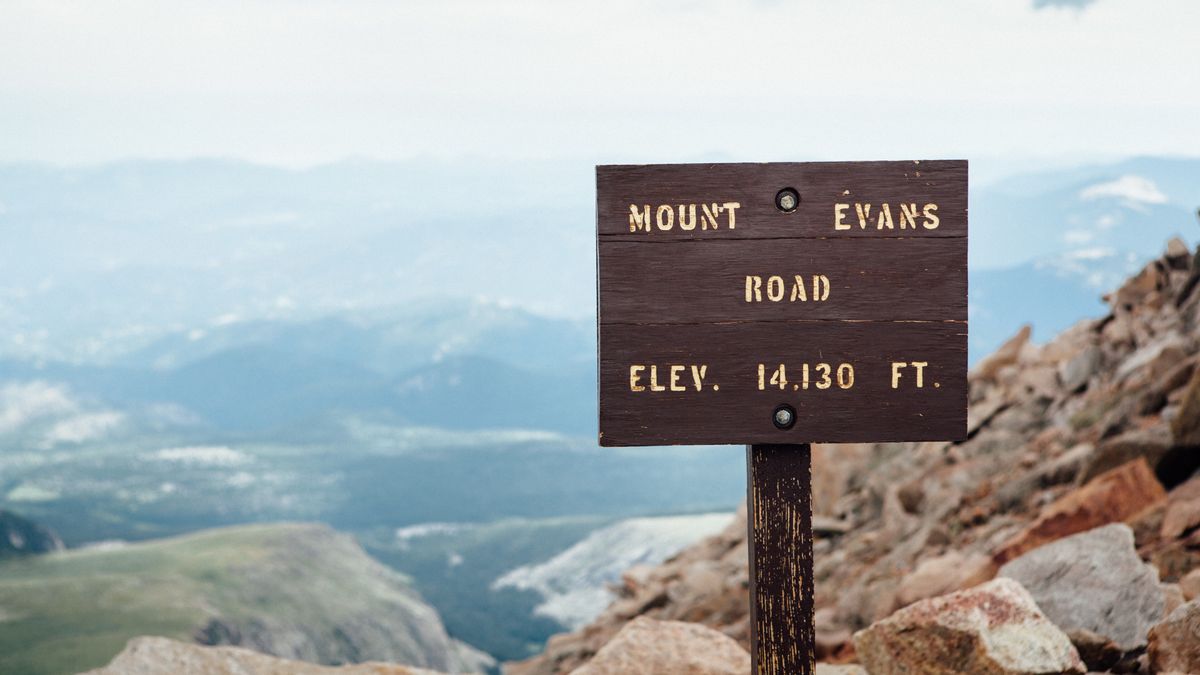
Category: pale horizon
<point>298,84</point>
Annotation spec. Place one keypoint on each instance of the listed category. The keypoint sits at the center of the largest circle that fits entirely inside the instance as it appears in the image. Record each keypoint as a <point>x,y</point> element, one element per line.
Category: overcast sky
<point>305,81</point>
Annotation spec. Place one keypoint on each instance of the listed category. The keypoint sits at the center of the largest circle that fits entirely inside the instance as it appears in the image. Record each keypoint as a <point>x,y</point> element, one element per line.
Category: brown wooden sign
<point>782,303</point>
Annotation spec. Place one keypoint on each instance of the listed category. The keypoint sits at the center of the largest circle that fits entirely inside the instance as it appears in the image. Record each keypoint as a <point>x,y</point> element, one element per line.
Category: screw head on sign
<point>787,200</point>
<point>784,417</point>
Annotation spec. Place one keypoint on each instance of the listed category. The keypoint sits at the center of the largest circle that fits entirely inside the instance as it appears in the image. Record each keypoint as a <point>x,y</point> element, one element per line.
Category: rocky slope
<point>298,591</point>
<point>162,656</point>
<point>1100,426</point>
<point>19,536</point>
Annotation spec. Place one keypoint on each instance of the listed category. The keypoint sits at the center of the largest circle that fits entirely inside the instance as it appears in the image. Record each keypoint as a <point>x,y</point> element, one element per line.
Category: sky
<point>301,82</point>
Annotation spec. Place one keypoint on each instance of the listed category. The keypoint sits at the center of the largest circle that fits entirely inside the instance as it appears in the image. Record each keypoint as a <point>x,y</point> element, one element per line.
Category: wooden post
<point>779,524</point>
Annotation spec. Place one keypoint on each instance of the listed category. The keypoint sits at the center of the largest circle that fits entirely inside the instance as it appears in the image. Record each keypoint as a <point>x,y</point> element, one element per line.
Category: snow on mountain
<point>574,583</point>
<point>1130,188</point>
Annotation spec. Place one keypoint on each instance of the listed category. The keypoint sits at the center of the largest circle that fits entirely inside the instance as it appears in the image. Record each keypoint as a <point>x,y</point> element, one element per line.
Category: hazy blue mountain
<point>20,537</point>
<point>131,261</point>
<point>1046,245</point>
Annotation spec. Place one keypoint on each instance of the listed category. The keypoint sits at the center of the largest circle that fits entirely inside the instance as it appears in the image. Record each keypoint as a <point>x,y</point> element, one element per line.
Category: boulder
<point>1182,512</point>
<point>1172,598</point>
<point>1007,354</point>
<point>992,629</point>
<point>1075,372</point>
<point>1190,585</point>
<point>949,572</point>
<point>162,656</point>
<point>1111,497</point>
<point>1098,652</point>
<point>842,669</point>
<point>651,647</point>
<point>1175,643</point>
<point>1185,427</point>
<point>1154,360</point>
<point>1152,443</point>
<point>1093,581</point>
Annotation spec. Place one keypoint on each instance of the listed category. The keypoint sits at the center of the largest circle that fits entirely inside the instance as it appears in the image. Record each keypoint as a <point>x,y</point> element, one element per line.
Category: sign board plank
<point>747,212</point>
<point>717,307</point>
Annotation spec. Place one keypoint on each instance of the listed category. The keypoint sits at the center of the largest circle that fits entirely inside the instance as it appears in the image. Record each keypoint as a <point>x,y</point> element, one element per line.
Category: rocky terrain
<point>1062,536</point>
<point>163,656</point>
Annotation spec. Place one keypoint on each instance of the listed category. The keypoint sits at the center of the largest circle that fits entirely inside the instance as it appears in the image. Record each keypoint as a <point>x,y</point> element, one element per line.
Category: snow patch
<point>574,583</point>
<point>1130,188</point>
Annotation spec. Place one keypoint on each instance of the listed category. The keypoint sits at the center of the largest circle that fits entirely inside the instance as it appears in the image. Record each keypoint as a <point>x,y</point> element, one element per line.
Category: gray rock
<point>1076,372</point>
<point>1152,443</point>
<point>845,669</point>
<point>1093,581</point>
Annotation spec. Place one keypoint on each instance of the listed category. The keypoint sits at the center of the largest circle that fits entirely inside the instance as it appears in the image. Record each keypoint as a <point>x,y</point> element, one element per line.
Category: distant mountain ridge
<point>294,590</point>
<point>19,536</point>
<point>107,261</point>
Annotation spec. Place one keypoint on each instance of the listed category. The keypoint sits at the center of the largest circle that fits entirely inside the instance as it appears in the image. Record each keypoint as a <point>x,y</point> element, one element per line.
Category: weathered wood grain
<point>730,409</point>
<point>754,186</point>
<point>727,298</point>
<point>779,524</point>
<point>705,281</point>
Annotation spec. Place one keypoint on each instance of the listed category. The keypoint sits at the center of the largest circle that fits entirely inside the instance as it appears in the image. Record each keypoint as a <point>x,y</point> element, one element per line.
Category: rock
<point>1006,355</point>
<point>1172,598</point>
<point>830,634</point>
<point>1098,652</point>
<point>162,656</point>
<point>827,526</point>
<point>650,647</point>
<point>1190,585</point>
<point>1182,512</point>
<point>1177,250</point>
<point>1152,443</point>
<point>1093,581</point>
<point>1154,360</point>
<point>845,669</point>
<point>1075,372</point>
<point>1175,643</point>
<point>992,629</point>
<point>1111,497</point>
<point>952,571</point>
<point>1186,425</point>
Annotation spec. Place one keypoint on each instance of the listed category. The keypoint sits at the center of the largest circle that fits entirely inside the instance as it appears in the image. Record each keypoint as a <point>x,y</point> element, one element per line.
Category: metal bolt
<point>787,200</point>
<point>784,417</point>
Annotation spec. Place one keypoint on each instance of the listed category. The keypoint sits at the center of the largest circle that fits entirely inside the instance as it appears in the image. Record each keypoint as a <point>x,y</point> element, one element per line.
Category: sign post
<point>778,305</point>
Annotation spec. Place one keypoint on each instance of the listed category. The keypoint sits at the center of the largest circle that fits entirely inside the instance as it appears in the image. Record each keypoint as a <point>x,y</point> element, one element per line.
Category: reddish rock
<point>992,629</point>
<point>1112,497</point>
<point>1007,354</point>
<point>1175,643</point>
<point>1182,511</point>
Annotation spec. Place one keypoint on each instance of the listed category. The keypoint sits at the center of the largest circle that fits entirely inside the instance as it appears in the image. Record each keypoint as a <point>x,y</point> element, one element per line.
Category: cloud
<point>23,402</point>
<point>86,427</point>
<point>1073,4</point>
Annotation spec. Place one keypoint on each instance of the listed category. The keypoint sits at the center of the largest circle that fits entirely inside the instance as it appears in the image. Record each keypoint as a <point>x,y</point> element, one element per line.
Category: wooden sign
<point>782,303</point>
